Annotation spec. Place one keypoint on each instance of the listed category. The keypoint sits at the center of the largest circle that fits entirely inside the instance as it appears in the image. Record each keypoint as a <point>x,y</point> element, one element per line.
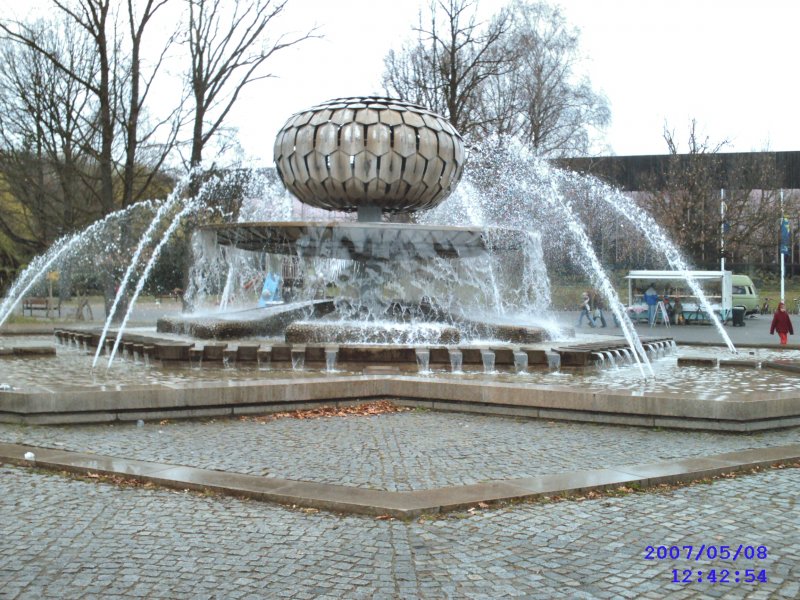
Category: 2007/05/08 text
<point>711,552</point>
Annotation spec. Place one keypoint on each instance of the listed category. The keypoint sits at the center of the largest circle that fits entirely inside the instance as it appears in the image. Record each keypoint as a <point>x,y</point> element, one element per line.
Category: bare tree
<point>138,134</point>
<point>448,65</point>
<point>688,197</point>
<point>541,99</point>
<point>114,83</point>
<point>116,73</point>
<point>753,209</point>
<point>91,17</point>
<point>43,137</point>
<point>513,76</point>
<point>229,44</point>
<point>687,200</point>
<point>10,261</point>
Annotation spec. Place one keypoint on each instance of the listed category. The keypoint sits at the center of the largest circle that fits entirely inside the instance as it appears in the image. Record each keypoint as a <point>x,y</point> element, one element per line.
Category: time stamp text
<point>733,553</point>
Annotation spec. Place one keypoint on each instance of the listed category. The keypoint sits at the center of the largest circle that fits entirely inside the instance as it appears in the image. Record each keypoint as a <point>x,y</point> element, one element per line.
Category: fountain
<point>396,283</point>
<point>428,313</point>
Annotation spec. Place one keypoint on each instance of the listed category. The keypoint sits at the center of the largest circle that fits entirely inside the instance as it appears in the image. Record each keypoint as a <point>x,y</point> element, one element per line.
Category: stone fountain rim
<point>280,237</point>
<point>329,224</point>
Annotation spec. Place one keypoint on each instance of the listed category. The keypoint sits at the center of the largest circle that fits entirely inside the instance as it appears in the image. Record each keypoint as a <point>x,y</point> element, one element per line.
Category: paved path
<point>394,452</point>
<point>70,539</point>
<point>75,539</point>
<point>755,331</point>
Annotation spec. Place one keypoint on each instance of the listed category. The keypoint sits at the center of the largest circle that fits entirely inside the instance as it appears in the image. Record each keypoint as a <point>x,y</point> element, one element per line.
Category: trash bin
<point>738,316</point>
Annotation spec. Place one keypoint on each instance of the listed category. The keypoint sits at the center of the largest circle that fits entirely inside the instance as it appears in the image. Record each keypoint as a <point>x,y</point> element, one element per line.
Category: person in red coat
<point>781,323</point>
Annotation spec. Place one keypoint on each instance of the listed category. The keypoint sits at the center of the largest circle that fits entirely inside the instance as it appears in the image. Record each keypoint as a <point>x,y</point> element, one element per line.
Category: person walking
<point>781,323</point>
<point>651,299</point>
<point>597,306</point>
<point>586,310</point>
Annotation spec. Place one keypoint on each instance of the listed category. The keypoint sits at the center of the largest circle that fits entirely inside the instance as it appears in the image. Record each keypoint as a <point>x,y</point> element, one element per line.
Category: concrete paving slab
<point>458,497</point>
<point>761,456</point>
<point>335,498</point>
<point>681,470</point>
<point>700,468</point>
<point>78,462</point>
<point>575,481</point>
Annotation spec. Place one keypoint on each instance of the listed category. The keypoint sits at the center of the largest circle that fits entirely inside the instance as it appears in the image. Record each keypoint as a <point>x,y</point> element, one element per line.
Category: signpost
<point>784,245</point>
<point>722,229</point>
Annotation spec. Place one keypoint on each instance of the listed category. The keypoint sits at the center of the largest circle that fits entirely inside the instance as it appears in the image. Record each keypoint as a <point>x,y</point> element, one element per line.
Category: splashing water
<point>60,251</point>
<point>30,276</point>
<point>510,283</point>
<point>514,179</point>
<point>144,240</point>
<point>190,206</point>
<point>522,185</point>
<point>628,209</point>
<point>597,274</point>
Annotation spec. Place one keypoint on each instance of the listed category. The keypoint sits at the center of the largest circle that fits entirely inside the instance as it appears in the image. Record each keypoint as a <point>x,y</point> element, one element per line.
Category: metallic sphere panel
<point>369,151</point>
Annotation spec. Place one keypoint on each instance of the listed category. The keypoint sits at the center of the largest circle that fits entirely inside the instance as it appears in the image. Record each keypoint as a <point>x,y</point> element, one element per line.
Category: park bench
<point>176,294</point>
<point>44,304</point>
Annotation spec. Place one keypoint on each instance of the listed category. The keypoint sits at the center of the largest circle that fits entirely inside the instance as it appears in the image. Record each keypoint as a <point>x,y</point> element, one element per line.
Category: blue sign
<point>785,236</point>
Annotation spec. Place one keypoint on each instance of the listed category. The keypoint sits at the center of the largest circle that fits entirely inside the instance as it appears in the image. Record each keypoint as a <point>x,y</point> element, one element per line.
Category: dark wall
<point>648,172</point>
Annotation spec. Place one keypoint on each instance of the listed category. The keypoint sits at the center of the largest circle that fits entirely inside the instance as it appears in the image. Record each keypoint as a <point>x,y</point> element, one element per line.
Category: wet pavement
<point>64,538</point>
<point>68,538</point>
<point>413,450</point>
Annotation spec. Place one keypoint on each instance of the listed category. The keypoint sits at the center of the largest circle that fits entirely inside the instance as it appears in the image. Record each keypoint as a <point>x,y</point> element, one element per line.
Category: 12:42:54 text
<point>719,576</point>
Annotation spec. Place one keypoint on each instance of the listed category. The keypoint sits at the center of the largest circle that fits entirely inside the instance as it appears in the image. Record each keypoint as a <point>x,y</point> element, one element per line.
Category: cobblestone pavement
<point>394,452</point>
<point>63,538</point>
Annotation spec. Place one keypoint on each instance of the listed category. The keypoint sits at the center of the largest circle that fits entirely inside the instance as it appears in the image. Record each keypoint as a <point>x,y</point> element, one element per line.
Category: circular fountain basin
<point>64,389</point>
<point>70,367</point>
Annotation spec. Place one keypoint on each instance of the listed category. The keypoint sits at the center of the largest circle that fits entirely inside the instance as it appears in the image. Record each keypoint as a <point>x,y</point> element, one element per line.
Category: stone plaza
<point>70,536</point>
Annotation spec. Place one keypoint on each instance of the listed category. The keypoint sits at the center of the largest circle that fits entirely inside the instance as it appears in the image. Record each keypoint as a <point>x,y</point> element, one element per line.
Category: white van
<point>744,293</point>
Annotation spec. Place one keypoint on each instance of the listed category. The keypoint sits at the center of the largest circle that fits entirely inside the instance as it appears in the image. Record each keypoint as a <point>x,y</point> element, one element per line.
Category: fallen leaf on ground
<point>366,409</point>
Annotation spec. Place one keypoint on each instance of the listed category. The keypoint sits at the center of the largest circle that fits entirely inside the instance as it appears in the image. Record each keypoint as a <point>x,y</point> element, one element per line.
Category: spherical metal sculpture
<point>350,153</point>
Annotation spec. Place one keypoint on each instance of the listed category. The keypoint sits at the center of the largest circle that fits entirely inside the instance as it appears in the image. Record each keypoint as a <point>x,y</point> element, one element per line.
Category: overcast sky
<point>729,64</point>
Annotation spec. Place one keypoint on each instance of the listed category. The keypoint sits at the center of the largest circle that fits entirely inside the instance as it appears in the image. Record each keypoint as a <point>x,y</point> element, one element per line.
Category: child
<point>781,323</point>
<point>269,292</point>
